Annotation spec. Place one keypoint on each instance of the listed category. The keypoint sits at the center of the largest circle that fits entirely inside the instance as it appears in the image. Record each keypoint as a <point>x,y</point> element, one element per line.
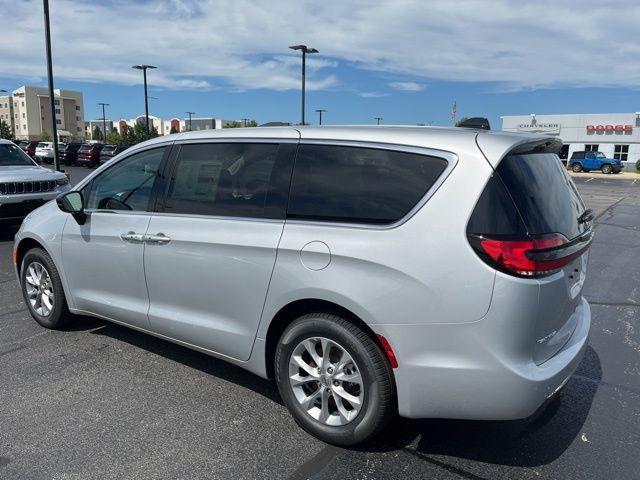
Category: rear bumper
<point>449,371</point>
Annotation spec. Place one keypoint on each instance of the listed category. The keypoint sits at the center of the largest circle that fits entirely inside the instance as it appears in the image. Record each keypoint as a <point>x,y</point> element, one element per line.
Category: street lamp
<point>379,119</point>
<point>320,111</point>
<point>144,68</point>
<point>304,49</point>
<point>245,121</point>
<point>190,113</point>
<point>104,121</point>
<point>54,126</point>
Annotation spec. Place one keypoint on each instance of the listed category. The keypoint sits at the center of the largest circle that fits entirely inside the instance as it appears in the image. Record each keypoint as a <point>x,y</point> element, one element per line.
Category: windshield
<point>85,148</point>
<point>12,155</point>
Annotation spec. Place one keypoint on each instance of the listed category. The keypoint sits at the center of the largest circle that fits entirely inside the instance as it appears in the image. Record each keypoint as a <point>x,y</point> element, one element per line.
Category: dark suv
<point>69,153</point>
<point>89,154</point>
<point>110,151</point>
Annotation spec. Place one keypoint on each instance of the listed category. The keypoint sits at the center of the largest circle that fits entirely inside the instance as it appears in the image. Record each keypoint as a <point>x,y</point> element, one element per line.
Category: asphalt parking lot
<point>100,401</point>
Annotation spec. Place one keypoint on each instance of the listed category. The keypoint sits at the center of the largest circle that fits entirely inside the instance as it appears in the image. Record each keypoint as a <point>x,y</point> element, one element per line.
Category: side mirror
<point>73,203</point>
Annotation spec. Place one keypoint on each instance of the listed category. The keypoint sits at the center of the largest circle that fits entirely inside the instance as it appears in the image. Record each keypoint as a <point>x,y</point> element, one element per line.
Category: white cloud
<point>242,44</point>
<point>373,94</point>
<point>407,86</point>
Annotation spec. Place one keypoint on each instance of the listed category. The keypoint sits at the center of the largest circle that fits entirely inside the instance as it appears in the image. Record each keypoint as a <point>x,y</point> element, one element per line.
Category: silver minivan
<point>428,272</point>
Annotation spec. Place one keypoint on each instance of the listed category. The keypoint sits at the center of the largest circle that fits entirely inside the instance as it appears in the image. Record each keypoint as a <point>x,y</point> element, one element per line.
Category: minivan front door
<point>103,258</point>
<point>212,247</point>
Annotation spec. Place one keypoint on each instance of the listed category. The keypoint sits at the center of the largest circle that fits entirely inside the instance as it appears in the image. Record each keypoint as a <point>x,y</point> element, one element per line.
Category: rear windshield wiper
<point>586,216</point>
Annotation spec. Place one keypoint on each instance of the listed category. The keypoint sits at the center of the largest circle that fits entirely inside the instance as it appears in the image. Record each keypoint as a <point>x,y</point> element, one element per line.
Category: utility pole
<point>379,119</point>
<point>54,126</point>
<point>190,113</point>
<point>304,49</point>
<point>320,111</point>
<point>245,121</point>
<point>144,68</point>
<point>104,122</point>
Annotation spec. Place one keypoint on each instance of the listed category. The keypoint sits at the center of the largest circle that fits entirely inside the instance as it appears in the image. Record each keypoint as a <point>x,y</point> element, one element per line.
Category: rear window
<point>85,148</point>
<point>359,185</point>
<point>543,193</point>
<point>108,149</point>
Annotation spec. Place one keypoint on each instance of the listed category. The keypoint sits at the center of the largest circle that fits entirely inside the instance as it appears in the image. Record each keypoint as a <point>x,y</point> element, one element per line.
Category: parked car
<point>24,185</point>
<point>587,161</point>
<point>44,152</point>
<point>30,148</point>
<point>89,154</point>
<point>110,151</point>
<point>369,270</point>
<point>69,153</point>
<point>21,143</point>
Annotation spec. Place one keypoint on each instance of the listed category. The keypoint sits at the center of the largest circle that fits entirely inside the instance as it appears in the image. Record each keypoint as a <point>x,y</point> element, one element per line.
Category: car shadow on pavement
<point>8,230</point>
<point>191,358</point>
<point>535,441</point>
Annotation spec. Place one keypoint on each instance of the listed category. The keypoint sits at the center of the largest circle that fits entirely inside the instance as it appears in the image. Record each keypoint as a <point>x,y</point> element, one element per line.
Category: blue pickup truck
<point>585,161</point>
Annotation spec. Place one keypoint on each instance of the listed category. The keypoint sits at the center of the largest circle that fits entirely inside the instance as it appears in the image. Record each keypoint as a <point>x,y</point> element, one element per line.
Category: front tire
<point>334,379</point>
<point>606,169</point>
<point>576,167</point>
<point>42,290</point>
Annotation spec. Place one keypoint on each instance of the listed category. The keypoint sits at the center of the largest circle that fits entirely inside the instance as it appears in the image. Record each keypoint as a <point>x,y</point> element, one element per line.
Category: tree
<point>127,137</point>
<point>113,137</point>
<point>252,123</point>
<point>234,124</point>
<point>96,134</point>
<point>174,129</point>
<point>463,119</point>
<point>45,137</point>
<point>5,130</point>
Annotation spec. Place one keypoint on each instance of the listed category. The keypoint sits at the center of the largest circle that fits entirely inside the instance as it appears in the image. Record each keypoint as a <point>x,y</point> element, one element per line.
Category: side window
<point>359,185</point>
<point>224,179</point>
<point>127,185</point>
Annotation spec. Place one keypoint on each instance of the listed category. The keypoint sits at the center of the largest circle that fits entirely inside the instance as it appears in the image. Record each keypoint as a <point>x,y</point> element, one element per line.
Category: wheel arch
<point>295,309</point>
<point>26,244</point>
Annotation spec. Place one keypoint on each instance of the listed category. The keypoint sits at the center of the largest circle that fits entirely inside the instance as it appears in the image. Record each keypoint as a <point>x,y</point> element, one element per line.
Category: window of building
<point>359,185</point>
<point>79,129</point>
<point>23,104</point>
<point>77,119</point>
<point>223,179</point>
<point>24,115</point>
<point>57,102</point>
<point>58,121</point>
<point>57,111</point>
<point>24,126</point>
<point>78,107</point>
<point>621,152</point>
<point>127,185</point>
<point>591,147</point>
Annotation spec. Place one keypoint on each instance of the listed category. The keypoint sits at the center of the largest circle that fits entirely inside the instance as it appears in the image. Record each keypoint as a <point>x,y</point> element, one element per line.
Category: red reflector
<point>387,349</point>
<point>512,255</point>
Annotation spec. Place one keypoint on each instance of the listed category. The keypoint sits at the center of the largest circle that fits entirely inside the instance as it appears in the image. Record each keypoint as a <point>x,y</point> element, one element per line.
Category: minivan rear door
<point>548,202</point>
<point>211,246</point>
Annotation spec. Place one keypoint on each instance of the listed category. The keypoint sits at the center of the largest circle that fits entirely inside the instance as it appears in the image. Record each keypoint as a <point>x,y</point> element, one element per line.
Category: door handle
<point>132,237</point>
<point>159,238</point>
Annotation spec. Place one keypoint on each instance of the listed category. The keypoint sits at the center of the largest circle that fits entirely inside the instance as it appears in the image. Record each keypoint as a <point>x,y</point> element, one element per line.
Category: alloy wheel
<point>39,289</point>
<point>326,381</point>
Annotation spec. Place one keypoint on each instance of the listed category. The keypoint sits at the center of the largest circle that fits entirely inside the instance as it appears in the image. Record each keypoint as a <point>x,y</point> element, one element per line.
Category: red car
<point>30,148</point>
<point>89,154</point>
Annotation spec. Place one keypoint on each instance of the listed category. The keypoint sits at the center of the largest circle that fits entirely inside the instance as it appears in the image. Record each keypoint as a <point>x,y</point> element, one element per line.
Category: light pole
<point>245,121</point>
<point>304,49</point>
<point>104,121</point>
<point>379,119</point>
<point>54,126</point>
<point>144,68</point>
<point>190,113</point>
<point>320,111</point>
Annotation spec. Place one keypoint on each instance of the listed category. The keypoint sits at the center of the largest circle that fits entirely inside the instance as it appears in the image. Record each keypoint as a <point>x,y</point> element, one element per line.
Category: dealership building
<point>617,135</point>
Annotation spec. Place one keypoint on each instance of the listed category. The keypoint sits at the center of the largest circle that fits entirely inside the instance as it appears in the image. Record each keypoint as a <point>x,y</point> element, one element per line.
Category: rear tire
<point>606,169</point>
<point>42,290</point>
<point>576,167</point>
<point>352,391</point>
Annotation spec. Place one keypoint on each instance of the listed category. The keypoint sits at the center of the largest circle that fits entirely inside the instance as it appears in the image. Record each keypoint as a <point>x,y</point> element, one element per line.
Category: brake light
<point>533,257</point>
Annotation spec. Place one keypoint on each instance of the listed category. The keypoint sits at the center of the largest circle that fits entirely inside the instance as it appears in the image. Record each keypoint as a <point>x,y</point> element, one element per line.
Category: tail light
<point>530,256</point>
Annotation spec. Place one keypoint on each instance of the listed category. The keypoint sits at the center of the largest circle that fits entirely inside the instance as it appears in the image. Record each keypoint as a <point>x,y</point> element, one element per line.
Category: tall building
<point>6,110</point>
<point>32,113</point>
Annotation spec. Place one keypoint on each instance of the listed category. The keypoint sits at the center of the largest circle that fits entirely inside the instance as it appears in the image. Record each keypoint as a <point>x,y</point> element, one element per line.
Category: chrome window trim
<point>188,141</point>
<point>450,157</point>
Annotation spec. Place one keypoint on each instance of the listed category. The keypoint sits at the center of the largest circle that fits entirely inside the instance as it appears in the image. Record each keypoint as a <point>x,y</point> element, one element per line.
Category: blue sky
<point>404,60</point>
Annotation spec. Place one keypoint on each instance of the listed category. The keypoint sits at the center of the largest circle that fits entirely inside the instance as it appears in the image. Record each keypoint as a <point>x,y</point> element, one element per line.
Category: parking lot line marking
<point>634,181</point>
<point>592,178</point>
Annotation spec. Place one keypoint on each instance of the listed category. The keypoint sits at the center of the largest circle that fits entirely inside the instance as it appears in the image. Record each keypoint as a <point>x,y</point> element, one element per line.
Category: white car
<point>431,272</point>
<point>44,152</point>
<point>24,185</point>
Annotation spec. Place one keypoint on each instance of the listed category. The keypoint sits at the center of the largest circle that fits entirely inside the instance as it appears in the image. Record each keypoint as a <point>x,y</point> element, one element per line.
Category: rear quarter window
<point>359,185</point>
